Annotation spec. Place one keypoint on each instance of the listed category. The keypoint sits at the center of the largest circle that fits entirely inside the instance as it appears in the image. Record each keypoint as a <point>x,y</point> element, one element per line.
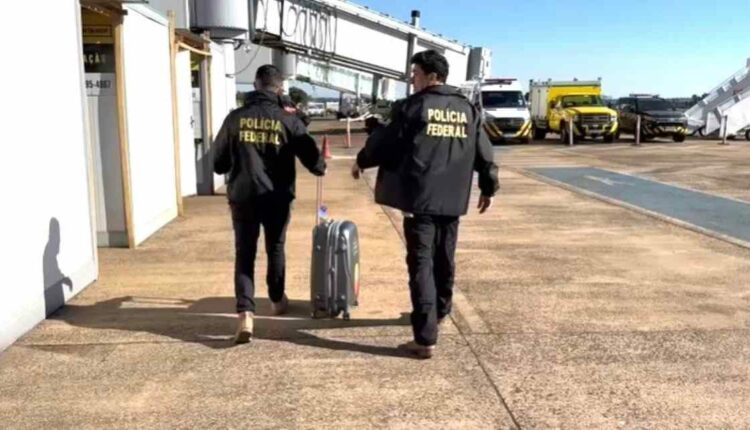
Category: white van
<point>506,113</point>
<point>316,109</point>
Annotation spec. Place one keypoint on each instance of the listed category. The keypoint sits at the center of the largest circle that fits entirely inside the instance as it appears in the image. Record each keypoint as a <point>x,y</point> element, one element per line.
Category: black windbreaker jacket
<point>256,146</point>
<point>428,153</point>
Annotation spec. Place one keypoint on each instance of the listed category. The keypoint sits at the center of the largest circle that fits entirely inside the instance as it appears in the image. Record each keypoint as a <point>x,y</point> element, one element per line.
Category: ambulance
<point>506,114</point>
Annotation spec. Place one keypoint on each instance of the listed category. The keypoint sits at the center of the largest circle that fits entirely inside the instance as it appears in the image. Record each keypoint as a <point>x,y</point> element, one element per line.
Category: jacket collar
<point>444,89</point>
<point>262,96</point>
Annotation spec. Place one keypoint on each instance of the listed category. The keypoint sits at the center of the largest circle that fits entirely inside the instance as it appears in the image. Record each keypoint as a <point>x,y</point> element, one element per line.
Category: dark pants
<point>272,212</point>
<point>430,257</point>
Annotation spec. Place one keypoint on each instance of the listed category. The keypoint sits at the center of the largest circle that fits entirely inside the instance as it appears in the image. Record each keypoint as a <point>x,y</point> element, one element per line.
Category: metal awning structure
<point>344,34</point>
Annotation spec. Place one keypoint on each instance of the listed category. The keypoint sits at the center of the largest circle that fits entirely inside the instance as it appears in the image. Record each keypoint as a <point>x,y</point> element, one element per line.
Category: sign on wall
<point>98,56</point>
<point>99,64</point>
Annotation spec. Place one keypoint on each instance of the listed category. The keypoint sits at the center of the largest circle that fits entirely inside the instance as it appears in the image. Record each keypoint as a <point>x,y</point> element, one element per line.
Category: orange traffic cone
<point>326,148</point>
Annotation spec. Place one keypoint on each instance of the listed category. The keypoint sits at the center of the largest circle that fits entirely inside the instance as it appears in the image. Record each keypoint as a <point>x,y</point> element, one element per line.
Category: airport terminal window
<point>572,101</point>
<point>502,99</point>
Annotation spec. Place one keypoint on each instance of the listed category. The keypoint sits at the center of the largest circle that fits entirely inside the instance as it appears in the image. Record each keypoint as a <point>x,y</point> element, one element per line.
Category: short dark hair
<point>269,76</point>
<point>431,61</point>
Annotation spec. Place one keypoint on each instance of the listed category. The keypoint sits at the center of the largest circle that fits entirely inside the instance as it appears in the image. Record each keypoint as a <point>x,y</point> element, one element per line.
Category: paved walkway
<point>149,345</point>
<point>570,313</point>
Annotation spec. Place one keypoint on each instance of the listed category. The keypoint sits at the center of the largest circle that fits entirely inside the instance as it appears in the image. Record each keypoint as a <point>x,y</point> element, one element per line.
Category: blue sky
<point>670,47</point>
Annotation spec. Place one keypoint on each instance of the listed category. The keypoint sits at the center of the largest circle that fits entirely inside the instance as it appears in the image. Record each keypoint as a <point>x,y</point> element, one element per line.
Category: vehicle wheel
<point>540,133</point>
<point>747,135</point>
<point>678,138</point>
<point>609,138</point>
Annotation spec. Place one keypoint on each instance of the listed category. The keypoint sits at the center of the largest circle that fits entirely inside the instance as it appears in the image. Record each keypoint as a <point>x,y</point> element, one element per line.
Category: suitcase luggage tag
<point>323,215</point>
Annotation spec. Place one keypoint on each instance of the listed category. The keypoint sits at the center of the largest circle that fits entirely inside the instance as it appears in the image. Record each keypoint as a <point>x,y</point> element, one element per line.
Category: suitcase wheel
<point>347,317</point>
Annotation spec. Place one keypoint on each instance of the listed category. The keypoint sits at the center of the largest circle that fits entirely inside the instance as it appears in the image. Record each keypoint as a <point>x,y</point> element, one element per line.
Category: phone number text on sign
<point>100,84</point>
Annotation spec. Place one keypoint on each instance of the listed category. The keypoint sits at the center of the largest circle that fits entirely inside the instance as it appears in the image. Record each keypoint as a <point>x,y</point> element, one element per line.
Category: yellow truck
<point>555,105</point>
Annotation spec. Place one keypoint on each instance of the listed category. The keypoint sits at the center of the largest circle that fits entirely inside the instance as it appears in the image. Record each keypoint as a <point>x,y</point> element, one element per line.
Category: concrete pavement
<point>570,313</point>
<point>149,346</point>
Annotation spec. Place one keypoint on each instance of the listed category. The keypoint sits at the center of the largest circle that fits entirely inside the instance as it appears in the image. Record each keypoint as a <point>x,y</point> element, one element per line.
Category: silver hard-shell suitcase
<point>334,274</point>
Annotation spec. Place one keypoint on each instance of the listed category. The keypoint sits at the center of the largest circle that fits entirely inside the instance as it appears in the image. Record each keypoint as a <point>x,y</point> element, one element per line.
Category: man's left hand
<point>356,171</point>
<point>484,204</point>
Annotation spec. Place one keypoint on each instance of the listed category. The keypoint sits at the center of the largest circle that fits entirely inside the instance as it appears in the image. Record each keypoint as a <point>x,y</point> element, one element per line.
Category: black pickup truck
<point>659,118</point>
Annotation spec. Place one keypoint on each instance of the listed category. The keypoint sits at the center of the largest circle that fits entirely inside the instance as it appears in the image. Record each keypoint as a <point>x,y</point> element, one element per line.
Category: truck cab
<point>561,106</point>
<point>505,111</point>
<point>659,117</point>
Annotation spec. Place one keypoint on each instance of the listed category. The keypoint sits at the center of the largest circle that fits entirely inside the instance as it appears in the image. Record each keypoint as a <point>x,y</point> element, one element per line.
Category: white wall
<point>47,148</point>
<point>223,90</point>
<point>247,63</point>
<point>231,80</point>
<point>230,90</point>
<point>105,138</point>
<point>149,117</point>
<point>188,176</point>
<point>181,9</point>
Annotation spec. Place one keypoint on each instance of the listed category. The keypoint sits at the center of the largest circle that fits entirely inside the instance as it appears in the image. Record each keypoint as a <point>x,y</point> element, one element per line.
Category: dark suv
<point>659,117</point>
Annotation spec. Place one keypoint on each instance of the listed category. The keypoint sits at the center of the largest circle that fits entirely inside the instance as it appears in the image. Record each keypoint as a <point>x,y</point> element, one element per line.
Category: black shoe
<point>417,350</point>
<point>281,307</point>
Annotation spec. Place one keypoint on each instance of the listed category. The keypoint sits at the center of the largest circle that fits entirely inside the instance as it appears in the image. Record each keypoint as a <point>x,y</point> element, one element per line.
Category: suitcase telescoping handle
<point>318,198</point>
<point>321,212</point>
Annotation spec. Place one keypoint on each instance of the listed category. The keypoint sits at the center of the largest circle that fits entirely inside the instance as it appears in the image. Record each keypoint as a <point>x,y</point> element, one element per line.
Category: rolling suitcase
<point>334,274</point>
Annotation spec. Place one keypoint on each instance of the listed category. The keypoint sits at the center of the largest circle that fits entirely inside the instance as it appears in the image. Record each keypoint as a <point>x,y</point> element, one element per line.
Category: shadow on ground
<point>206,322</point>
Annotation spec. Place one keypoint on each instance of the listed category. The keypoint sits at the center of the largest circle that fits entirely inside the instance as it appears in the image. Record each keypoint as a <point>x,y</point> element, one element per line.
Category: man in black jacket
<point>288,105</point>
<point>427,156</point>
<point>256,146</point>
